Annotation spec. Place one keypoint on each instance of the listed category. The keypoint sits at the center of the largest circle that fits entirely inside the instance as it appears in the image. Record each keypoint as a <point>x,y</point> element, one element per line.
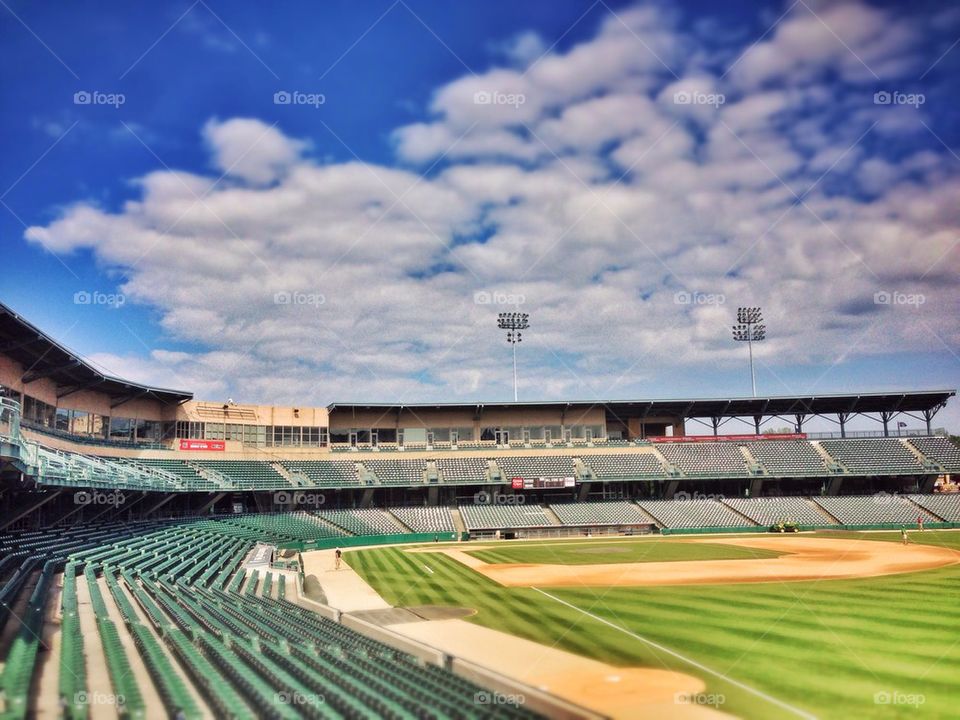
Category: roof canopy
<point>906,401</point>
<point>43,357</point>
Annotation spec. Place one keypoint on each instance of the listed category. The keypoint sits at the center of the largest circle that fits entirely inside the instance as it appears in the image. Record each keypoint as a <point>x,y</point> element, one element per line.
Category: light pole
<point>749,328</point>
<point>513,323</point>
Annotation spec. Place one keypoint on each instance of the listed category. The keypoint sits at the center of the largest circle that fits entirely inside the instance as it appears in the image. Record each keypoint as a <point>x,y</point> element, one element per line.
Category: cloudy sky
<point>312,202</point>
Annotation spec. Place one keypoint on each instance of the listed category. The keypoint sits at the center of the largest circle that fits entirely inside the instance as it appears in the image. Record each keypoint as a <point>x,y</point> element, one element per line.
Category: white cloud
<point>251,150</point>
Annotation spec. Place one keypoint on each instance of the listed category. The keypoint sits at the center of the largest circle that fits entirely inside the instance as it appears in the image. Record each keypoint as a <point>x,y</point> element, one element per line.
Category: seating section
<point>397,472</point>
<point>183,617</point>
<point>773,510</point>
<point>705,458</point>
<point>535,466</point>
<point>368,521</point>
<point>787,458</point>
<point>693,514</point>
<point>940,450</point>
<point>497,517</point>
<point>324,473</point>
<point>624,466</point>
<point>599,513</point>
<point>186,472</point>
<point>247,473</point>
<point>425,519</point>
<point>278,527</point>
<point>462,470</point>
<point>946,506</point>
<point>873,456</point>
<point>881,508</point>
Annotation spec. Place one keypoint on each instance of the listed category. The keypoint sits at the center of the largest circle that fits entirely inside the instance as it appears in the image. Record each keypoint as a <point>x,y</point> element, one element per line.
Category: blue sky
<point>628,173</point>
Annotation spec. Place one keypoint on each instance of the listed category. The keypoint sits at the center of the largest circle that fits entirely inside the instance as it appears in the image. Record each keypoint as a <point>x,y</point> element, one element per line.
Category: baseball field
<point>831,625</point>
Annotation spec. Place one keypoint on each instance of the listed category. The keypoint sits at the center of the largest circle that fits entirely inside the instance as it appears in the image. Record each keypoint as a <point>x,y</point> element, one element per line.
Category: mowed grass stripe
<point>587,553</point>
<point>826,646</point>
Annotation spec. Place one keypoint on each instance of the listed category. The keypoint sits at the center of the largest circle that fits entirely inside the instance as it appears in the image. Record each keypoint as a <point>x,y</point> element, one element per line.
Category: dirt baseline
<point>806,558</point>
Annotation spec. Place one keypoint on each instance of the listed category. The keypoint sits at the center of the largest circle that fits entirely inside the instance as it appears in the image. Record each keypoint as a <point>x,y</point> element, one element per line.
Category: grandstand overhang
<point>43,358</point>
<point>821,404</point>
<point>713,412</point>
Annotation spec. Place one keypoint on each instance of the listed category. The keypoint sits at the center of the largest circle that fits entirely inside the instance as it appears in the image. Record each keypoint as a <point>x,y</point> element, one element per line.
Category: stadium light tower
<point>513,323</point>
<point>750,329</point>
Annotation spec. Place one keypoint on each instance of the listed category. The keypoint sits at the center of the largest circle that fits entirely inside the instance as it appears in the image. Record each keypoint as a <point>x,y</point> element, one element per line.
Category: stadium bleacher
<point>367,521</point>
<point>882,508</point>
<point>945,506</point>
<point>695,513</point>
<point>623,466</point>
<point>397,472</point>
<point>494,516</point>
<point>599,513</point>
<point>534,466</point>
<point>705,458</point>
<point>940,450</point>
<point>324,473</point>
<point>424,519</point>
<point>771,510</point>
<point>240,653</point>
<point>873,456</point>
<point>787,458</point>
<point>462,470</point>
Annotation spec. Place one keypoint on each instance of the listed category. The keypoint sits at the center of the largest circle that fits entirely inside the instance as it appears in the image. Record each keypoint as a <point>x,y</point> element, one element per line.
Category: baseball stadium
<point>163,556</point>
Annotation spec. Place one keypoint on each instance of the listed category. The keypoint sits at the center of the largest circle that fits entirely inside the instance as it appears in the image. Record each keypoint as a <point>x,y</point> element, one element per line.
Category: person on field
<point>920,522</point>
<point>903,534</point>
<point>338,553</point>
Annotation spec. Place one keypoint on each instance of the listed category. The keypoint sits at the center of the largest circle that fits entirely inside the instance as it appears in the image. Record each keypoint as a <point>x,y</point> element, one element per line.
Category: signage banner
<point>206,445</point>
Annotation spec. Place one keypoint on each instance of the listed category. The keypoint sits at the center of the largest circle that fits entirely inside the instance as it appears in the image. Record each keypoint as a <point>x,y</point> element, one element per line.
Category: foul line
<point>428,569</point>
<point>685,659</point>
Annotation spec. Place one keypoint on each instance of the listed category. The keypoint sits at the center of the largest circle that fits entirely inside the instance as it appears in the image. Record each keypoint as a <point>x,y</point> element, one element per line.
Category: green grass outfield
<point>617,551</point>
<point>830,649</point>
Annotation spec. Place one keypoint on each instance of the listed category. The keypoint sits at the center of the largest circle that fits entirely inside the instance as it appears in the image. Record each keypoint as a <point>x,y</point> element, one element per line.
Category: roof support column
<point>842,417</point>
<point>800,418</point>
<point>756,423</point>
<point>715,422</point>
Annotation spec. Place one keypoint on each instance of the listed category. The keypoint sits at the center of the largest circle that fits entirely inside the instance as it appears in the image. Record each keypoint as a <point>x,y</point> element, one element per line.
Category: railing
<point>861,434</point>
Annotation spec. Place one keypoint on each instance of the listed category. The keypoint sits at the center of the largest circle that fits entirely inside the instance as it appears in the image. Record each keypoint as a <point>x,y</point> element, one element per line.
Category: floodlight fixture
<point>750,329</point>
<point>514,323</point>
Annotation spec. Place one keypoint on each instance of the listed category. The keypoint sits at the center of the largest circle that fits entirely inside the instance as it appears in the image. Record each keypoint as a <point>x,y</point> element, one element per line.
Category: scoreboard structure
<point>545,483</point>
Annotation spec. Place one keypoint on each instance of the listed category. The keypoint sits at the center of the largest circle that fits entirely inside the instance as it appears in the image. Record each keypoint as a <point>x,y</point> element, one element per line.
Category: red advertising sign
<point>516,483</point>
<point>207,445</point>
<point>722,438</point>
